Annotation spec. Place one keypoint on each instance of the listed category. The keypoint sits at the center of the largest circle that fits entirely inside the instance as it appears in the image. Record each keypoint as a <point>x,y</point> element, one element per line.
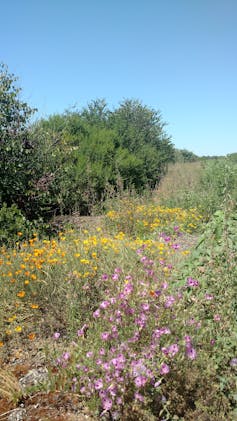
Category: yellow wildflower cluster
<point>145,219</point>
<point>35,265</point>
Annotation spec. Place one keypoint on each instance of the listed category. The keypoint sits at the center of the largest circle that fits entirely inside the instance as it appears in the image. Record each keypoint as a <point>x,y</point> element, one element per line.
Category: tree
<point>140,130</point>
<point>15,145</point>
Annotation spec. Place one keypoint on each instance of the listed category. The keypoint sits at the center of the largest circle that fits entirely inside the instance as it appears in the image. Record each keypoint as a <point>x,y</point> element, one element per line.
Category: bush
<point>13,225</point>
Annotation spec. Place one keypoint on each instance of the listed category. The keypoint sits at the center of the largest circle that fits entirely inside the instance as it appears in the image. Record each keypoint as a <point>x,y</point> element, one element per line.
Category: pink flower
<point>164,369</point>
<point>192,282</point>
<point>171,350</point>
<point>191,352</point>
<point>233,362</point>
<point>56,335</point>
<point>187,339</point>
<point>105,336</point>
<point>81,332</point>
<point>175,246</point>
<point>169,301</point>
<point>138,397</point>
<point>209,297</point>
<point>104,304</point>
<point>128,289</point>
<point>66,356</point>
<point>96,313</point>
<point>107,404</point>
<point>158,383</point>
<point>145,306</point>
<point>98,384</point>
<point>217,317</point>
<point>140,381</point>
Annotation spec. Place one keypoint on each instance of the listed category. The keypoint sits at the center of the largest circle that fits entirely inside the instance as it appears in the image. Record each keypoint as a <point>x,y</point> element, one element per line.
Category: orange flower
<point>152,293</point>
<point>21,294</point>
<point>31,336</point>
<point>1,344</point>
<point>34,306</point>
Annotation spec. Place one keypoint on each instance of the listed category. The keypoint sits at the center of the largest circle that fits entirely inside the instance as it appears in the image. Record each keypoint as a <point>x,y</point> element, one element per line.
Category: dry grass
<point>181,177</point>
<point>9,386</point>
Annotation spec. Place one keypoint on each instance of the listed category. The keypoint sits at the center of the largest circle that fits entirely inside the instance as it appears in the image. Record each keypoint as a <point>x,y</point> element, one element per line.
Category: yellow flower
<point>34,306</point>
<point>18,329</point>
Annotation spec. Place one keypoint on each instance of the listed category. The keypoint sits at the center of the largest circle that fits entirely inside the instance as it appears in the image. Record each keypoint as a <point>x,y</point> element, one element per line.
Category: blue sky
<point>177,56</point>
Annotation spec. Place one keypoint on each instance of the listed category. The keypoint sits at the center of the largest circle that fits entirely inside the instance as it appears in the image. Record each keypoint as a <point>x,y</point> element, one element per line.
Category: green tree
<point>15,144</point>
<point>140,130</point>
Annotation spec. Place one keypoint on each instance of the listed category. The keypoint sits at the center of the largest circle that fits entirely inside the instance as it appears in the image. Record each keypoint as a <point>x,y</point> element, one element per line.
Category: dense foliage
<point>70,161</point>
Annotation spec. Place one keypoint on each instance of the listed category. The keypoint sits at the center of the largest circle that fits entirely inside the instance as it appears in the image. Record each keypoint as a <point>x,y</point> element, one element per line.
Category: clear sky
<point>177,56</point>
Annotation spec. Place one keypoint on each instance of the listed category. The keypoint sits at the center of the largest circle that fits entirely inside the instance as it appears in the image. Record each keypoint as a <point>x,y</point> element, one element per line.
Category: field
<point>129,315</point>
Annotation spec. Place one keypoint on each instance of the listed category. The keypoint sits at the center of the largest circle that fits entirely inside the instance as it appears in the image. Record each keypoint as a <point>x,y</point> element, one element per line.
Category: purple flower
<point>112,389</point>
<point>171,350</point>
<point>66,356</point>
<point>138,397</point>
<point>104,304</point>
<point>192,282</point>
<point>104,277</point>
<point>233,362</point>
<point>158,383</point>
<point>98,384</point>
<point>175,246</point>
<point>115,276</point>
<point>217,317</point>
<point>187,339</point>
<point>107,403</point>
<point>169,301</point>
<point>145,306</point>
<point>81,332</point>
<point>140,381</point>
<point>119,400</point>
<point>96,313</point>
<point>209,297</point>
<point>191,352</point>
<point>105,336</point>
<point>164,369</point>
<point>128,289</point>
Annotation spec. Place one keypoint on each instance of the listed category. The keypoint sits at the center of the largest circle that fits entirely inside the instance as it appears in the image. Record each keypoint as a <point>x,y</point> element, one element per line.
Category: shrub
<point>13,225</point>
